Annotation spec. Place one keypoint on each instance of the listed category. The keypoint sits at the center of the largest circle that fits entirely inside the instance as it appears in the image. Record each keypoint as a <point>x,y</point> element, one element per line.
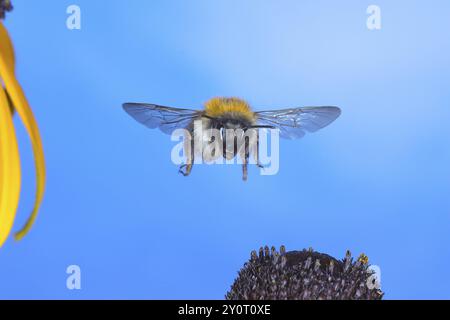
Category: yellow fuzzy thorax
<point>217,107</point>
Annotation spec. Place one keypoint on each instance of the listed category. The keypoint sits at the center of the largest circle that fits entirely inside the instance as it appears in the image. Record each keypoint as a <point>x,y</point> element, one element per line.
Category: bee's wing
<point>293,123</point>
<point>167,119</point>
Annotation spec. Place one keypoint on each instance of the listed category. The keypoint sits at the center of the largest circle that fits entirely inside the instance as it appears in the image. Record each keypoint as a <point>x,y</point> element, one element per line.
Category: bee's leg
<point>244,171</point>
<point>186,169</point>
<point>256,155</point>
<point>245,161</point>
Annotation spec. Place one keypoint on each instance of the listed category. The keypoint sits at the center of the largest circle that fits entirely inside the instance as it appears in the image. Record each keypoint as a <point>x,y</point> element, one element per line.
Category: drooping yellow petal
<point>10,174</point>
<point>6,46</point>
<point>21,106</point>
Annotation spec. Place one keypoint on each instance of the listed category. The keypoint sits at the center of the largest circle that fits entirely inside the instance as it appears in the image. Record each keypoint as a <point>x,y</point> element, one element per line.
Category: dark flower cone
<point>303,275</point>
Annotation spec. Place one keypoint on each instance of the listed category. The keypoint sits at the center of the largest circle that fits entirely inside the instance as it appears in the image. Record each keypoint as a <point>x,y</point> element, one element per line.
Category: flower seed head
<point>305,274</point>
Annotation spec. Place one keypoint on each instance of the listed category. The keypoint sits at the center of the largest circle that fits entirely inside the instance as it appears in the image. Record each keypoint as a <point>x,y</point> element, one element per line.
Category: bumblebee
<point>231,114</point>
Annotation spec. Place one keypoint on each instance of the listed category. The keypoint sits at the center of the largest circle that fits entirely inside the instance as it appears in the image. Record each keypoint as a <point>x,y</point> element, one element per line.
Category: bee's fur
<point>230,109</point>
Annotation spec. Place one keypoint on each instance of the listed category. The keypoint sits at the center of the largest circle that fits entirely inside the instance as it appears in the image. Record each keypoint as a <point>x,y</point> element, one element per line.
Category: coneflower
<point>303,275</point>
<point>13,100</point>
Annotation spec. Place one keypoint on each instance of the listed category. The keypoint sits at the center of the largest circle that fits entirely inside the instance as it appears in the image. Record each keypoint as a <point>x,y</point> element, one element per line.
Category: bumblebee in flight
<point>231,113</point>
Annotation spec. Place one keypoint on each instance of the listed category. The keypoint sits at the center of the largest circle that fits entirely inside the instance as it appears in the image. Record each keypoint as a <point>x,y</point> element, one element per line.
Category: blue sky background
<point>377,181</point>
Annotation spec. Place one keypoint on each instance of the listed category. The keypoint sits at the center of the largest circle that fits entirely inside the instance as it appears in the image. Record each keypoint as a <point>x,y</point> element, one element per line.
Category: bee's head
<point>232,124</point>
<point>234,121</point>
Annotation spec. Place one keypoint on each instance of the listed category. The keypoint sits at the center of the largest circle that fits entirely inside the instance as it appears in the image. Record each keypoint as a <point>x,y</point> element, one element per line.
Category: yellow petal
<point>23,109</point>
<point>9,170</point>
<point>6,46</point>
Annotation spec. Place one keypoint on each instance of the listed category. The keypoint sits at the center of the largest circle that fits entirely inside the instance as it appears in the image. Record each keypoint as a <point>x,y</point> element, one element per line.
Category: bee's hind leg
<point>186,169</point>
<point>245,163</point>
<point>244,171</point>
<point>256,155</point>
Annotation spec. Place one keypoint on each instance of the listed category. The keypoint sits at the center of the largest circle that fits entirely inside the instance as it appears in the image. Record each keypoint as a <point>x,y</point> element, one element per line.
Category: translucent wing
<point>294,123</point>
<point>165,118</point>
